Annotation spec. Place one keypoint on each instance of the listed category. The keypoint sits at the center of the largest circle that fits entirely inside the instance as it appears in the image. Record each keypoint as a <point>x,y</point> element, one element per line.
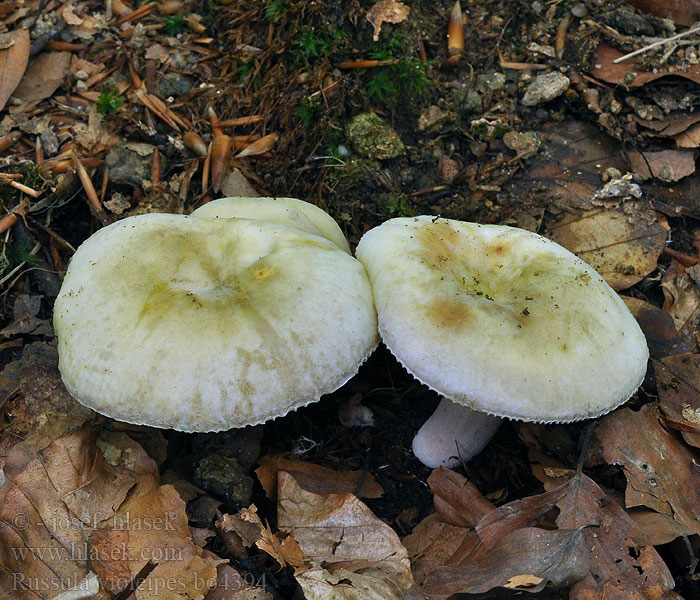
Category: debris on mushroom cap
<point>285,211</point>
<point>206,324</point>
<point>501,319</point>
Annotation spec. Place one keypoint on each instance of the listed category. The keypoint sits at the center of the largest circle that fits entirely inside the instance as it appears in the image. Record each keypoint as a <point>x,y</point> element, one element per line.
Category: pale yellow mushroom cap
<point>285,211</point>
<point>502,320</point>
<point>206,324</point>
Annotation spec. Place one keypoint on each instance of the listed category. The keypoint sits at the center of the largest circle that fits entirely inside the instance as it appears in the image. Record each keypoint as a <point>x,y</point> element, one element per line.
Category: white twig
<point>659,43</point>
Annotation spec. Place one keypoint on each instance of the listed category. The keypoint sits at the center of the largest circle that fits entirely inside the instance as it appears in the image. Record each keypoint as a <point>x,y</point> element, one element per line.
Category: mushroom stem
<point>453,433</point>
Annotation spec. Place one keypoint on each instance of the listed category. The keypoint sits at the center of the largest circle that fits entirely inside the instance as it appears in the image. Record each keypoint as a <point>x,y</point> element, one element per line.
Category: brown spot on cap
<point>448,313</point>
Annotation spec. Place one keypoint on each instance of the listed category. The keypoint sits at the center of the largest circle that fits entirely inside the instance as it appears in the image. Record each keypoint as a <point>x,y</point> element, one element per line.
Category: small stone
<point>491,82</point>
<point>631,23</point>
<point>81,86</point>
<point>81,75</point>
<point>526,143</point>
<point>49,142</point>
<point>473,102</point>
<point>448,169</point>
<point>371,137</point>
<point>224,477</point>
<point>545,87</point>
<point>434,116</point>
<point>130,164</point>
<point>544,50</point>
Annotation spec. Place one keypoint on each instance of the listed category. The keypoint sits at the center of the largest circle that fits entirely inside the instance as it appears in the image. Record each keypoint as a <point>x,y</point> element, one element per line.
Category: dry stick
<point>103,187</point>
<point>155,167</point>
<point>93,199</point>
<point>8,221</point>
<point>240,121</point>
<point>366,64</point>
<point>141,11</point>
<point>656,44</point>
<point>560,40</point>
<point>685,259</point>
<point>26,189</point>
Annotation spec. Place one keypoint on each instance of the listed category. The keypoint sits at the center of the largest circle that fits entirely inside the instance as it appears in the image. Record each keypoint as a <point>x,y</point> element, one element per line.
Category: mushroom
<point>284,211</point>
<point>502,323</point>
<point>200,324</point>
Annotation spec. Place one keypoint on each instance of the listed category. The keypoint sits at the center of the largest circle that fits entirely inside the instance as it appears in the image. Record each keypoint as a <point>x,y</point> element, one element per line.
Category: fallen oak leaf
<point>386,11</point>
<point>622,569</point>
<point>678,382</point>
<point>434,543</point>
<point>14,56</point>
<point>527,559</point>
<point>51,509</point>
<point>317,479</point>
<point>666,165</point>
<point>350,552</point>
<point>457,500</point>
<point>661,471</point>
<point>623,245</point>
<point>682,298</point>
<point>658,327</point>
<point>625,73</point>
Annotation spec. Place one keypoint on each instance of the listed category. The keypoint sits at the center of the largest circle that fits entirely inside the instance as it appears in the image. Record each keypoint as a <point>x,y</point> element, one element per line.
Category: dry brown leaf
<point>678,381</point>
<point>682,299</point>
<point>661,471</point>
<point>690,138</point>
<point>621,568</point>
<point>350,552</point>
<point>659,329</point>
<point>457,500</point>
<point>49,513</point>
<point>681,12</point>
<point>87,507</point>
<point>666,165</point>
<point>42,78</point>
<point>568,169</point>
<point>654,528</point>
<point>549,471</point>
<point>233,585</point>
<point>264,144</point>
<point>671,125</point>
<point>433,543</point>
<point>317,479</point>
<point>627,74</point>
<point>526,559</point>
<point>13,62</point>
<point>386,11</point>
<point>622,245</point>
<point>42,412</point>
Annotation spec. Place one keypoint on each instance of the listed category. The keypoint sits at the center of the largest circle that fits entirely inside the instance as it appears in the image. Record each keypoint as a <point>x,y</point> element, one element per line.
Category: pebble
<point>491,82</point>
<point>545,87</point>
<point>434,116</point>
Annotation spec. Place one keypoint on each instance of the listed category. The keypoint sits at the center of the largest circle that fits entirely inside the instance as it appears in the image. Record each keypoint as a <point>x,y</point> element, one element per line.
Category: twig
<point>562,29</point>
<point>657,44</point>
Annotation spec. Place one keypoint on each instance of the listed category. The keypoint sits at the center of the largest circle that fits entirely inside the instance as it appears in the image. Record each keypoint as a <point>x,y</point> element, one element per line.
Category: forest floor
<point>109,110</point>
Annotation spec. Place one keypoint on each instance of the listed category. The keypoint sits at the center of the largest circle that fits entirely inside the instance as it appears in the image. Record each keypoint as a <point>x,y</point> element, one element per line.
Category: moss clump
<point>373,138</point>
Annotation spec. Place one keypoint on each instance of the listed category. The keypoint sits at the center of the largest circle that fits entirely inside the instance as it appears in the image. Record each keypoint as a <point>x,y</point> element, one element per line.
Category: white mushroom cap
<point>285,211</point>
<point>502,320</point>
<point>206,324</point>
